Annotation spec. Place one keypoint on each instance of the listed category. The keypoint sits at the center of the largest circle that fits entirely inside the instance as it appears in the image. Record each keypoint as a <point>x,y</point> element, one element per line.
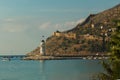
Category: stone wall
<point>67,35</point>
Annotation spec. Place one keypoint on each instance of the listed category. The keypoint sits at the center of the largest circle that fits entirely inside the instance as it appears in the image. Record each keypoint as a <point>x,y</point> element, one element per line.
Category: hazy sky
<point>23,22</point>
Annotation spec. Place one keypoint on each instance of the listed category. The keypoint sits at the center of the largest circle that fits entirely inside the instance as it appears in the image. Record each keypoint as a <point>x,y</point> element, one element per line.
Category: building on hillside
<point>70,35</point>
<point>67,35</point>
<point>88,37</point>
<point>58,34</point>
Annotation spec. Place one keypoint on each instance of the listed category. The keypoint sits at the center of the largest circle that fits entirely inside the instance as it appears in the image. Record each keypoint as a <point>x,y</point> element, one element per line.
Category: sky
<point>24,22</point>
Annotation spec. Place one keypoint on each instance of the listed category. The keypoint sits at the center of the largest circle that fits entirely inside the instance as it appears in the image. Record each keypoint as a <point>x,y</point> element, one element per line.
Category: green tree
<point>115,42</point>
<point>112,66</point>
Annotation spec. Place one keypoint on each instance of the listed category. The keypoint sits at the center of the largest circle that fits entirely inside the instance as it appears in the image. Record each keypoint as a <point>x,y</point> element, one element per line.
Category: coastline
<point>50,58</point>
<point>64,57</point>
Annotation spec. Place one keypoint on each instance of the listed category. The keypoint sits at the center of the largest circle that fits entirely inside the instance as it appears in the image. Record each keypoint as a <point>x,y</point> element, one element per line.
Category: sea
<point>77,69</point>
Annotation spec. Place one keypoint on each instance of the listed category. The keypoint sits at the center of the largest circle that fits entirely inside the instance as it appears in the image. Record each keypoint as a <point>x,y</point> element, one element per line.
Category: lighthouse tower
<point>42,48</point>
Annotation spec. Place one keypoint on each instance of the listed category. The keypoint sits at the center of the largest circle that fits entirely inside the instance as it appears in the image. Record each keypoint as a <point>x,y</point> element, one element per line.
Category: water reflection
<point>42,70</point>
<point>68,69</point>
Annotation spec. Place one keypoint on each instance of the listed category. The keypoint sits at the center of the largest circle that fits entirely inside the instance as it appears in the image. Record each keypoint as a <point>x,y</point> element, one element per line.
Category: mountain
<point>88,37</point>
<point>104,18</point>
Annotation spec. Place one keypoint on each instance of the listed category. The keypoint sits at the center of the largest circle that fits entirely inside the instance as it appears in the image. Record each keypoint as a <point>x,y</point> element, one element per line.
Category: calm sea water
<point>49,70</point>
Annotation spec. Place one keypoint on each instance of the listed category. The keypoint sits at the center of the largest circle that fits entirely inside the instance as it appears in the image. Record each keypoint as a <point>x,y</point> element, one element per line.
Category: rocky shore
<point>49,58</point>
<point>39,57</point>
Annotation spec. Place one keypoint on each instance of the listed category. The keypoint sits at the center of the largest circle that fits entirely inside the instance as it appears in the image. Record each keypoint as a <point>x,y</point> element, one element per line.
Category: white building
<point>42,48</point>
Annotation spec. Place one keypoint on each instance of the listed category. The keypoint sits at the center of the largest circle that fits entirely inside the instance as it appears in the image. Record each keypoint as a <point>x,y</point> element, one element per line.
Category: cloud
<point>58,26</point>
<point>12,25</point>
<point>80,21</point>
<point>45,25</point>
<point>67,25</point>
<point>9,20</point>
<point>13,28</point>
<point>73,23</point>
<point>20,25</point>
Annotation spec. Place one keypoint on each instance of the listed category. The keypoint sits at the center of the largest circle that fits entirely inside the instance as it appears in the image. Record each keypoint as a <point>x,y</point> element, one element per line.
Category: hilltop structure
<point>67,35</point>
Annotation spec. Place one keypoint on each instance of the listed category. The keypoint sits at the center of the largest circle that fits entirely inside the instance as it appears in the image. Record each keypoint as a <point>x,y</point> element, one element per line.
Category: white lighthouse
<point>42,48</point>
